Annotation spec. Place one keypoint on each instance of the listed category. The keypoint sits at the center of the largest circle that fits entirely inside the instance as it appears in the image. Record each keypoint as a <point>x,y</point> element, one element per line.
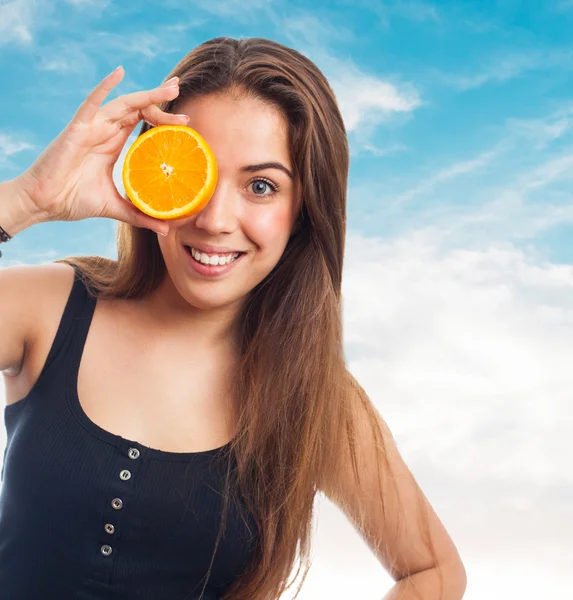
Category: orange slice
<point>170,172</point>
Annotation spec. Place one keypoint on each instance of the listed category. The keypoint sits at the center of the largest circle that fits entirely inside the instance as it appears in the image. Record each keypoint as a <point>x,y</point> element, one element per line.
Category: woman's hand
<point>73,177</point>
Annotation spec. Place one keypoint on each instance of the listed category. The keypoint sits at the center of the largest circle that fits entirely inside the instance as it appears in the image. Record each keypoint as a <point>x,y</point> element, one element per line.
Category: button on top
<point>109,528</point>
<point>117,503</point>
<point>133,453</point>
<point>106,550</point>
<point>125,475</point>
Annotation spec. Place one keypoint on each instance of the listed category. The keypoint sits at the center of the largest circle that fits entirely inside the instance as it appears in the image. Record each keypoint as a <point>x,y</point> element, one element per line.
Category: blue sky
<point>448,105</point>
<point>458,281</point>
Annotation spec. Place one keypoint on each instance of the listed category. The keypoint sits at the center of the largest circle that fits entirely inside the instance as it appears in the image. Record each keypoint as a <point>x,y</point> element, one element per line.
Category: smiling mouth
<point>226,259</point>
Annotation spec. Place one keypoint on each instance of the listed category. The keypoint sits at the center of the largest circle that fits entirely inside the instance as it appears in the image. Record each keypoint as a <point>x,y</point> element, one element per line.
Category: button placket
<point>120,497</point>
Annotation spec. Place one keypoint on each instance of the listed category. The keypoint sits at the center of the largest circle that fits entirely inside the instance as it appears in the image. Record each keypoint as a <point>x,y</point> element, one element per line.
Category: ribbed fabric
<point>61,474</point>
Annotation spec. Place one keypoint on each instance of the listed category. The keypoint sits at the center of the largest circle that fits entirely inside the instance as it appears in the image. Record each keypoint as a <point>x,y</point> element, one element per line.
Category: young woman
<point>168,430</point>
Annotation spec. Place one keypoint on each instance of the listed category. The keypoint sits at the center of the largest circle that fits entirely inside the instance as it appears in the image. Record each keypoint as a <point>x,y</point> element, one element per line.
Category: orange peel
<point>170,172</point>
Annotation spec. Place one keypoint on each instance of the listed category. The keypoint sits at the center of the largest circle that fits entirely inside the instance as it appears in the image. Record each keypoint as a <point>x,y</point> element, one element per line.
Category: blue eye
<point>267,182</point>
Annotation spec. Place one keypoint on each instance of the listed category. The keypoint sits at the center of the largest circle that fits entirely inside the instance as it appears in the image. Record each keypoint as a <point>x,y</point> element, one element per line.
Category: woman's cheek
<point>272,227</point>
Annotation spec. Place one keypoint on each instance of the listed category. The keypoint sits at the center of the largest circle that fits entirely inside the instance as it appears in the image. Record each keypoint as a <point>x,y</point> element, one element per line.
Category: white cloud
<point>466,354</point>
<point>70,56</point>
<point>384,151</point>
<point>416,11</point>
<point>67,57</point>
<point>564,5</point>
<point>524,579</point>
<point>369,100</point>
<point>410,10</point>
<point>388,11</point>
<point>312,30</point>
<point>447,174</point>
<point>548,172</point>
<point>522,190</point>
<point>542,132</point>
<point>19,19</point>
<point>510,66</point>
<point>9,145</point>
<point>467,339</point>
<point>242,10</point>
<point>142,43</point>
<point>98,5</point>
<point>365,100</point>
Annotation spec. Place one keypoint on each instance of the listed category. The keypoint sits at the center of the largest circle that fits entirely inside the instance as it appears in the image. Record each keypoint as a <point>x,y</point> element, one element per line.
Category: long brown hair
<point>298,401</point>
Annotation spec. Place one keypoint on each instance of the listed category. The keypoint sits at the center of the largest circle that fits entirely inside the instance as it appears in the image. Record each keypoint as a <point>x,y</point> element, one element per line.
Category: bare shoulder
<point>33,298</point>
<point>41,273</point>
<point>38,284</point>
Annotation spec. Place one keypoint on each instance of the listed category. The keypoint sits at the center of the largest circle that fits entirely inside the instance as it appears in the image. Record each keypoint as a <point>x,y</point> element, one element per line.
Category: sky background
<point>458,277</point>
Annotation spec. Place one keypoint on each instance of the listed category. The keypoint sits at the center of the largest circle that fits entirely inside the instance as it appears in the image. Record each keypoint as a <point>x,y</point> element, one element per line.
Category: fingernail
<point>183,116</point>
<point>173,79</point>
<point>163,234</point>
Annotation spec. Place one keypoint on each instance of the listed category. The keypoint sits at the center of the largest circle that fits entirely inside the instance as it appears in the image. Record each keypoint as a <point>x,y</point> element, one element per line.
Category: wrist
<point>17,209</point>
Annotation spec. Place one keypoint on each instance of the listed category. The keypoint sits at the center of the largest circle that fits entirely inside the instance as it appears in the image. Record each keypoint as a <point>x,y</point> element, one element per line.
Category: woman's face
<point>245,213</point>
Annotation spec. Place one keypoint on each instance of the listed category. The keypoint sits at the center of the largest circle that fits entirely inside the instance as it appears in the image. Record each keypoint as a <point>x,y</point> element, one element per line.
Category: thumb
<point>124,210</point>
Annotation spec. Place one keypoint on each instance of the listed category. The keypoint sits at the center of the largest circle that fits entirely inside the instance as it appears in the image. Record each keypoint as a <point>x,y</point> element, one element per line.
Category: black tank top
<point>89,515</point>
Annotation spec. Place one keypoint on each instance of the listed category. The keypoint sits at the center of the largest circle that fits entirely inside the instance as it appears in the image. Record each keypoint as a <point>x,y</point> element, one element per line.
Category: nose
<point>220,213</point>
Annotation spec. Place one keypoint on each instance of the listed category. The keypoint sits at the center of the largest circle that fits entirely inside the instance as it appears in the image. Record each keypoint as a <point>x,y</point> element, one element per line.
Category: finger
<point>121,107</point>
<point>123,210</point>
<point>90,106</point>
<point>154,116</point>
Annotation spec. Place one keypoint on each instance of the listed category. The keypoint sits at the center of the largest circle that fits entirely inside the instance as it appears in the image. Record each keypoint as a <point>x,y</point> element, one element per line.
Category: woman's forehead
<point>245,130</point>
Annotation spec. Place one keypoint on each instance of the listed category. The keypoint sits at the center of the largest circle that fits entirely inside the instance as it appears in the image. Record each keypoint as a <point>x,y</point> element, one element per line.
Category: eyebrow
<point>267,165</point>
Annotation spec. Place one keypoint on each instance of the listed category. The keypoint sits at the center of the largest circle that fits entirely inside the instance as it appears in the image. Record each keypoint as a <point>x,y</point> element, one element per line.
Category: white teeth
<point>213,260</point>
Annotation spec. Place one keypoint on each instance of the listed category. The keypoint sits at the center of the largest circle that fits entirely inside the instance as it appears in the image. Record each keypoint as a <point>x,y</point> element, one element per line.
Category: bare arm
<point>426,585</point>
<point>397,525</point>
<point>71,180</point>
<point>18,285</point>
<point>17,211</point>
